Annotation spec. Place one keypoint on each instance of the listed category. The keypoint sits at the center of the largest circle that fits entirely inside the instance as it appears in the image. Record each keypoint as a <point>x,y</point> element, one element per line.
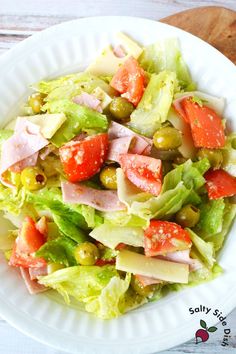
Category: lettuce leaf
<point>218,238</point>
<point>204,249</point>
<point>60,250</point>
<point>211,217</point>
<point>51,199</point>
<point>69,229</point>
<point>71,85</point>
<point>154,106</point>
<point>4,135</point>
<point>79,118</point>
<point>101,289</point>
<point>107,305</point>
<point>12,201</point>
<point>190,173</point>
<point>229,155</point>
<point>166,55</point>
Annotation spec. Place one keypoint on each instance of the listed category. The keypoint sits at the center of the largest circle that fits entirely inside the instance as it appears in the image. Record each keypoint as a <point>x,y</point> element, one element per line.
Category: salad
<point>117,183</point>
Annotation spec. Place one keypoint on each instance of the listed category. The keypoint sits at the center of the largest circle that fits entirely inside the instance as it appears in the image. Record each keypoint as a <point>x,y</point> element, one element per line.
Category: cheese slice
<point>107,63</point>
<point>135,263</point>
<point>48,123</point>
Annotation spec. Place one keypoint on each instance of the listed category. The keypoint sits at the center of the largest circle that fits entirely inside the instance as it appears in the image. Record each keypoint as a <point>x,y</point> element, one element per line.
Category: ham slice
<point>32,285</point>
<point>119,51</point>
<point>25,142</point>
<point>145,281</point>
<point>34,273</point>
<point>90,101</point>
<point>119,146</point>
<point>182,257</point>
<point>141,145</point>
<point>98,199</point>
<point>27,162</point>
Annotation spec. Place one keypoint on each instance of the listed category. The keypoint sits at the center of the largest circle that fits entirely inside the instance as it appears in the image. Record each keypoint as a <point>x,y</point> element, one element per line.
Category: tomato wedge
<point>143,171</point>
<point>206,126</point>
<point>83,159</point>
<point>220,184</point>
<point>162,237</point>
<point>28,241</point>
<point>130,81</point>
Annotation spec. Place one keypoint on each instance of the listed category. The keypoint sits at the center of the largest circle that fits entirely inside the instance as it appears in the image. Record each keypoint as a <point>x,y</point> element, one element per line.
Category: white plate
<point>156,326</point>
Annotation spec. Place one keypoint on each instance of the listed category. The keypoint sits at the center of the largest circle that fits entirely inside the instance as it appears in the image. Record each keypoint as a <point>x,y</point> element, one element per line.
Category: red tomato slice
<point>28,241</point>
<point>83,159</point>
<point>206,126</point>
<point>130,81</point>
<point>162,237</point>
<point>220,184</point>
<point>177,104</point>
<point>143,171</point>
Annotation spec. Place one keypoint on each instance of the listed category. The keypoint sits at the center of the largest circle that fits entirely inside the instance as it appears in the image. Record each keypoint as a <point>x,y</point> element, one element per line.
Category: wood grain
<point>215,25</point>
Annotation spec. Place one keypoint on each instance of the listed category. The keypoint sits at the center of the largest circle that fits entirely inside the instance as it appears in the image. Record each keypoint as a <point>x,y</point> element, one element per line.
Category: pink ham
<point>32,285</point>
<point>182,257</point>
<point>119,146</point>
<point>90,101</point>
<point>27,162</point>
<point>119,51</point>
<point>141,144</point>
<point>25,142</point>
<point>34,273</point>
<point>145,281</point>
<point>98,199</point>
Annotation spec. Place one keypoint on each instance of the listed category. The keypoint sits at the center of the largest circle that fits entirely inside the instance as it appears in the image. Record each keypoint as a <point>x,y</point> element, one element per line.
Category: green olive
<point>167,138</point>
<point>33,178</point>
<point>108,177</point>
<point>86,254</point>
<point>188,216</point>
<point>120,108</point>
<point>146,291</point>
<point>233,143</point>
<point>214,156</point>
<point>35,101</point>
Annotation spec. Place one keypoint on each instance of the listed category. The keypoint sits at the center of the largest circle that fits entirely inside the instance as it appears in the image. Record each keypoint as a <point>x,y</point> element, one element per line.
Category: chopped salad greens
<point>116,184</point>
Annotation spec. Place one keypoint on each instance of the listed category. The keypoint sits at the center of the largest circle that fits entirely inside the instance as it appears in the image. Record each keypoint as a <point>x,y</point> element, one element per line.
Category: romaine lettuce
<point>101,289</point>
<point>204,249</point>
<point>211,217</point>
<point>69,229</point>
<point>154,106</point>
<point>229,155</point>
<point>60,250</point>
<point>166,55</point>
<point>79,118</point>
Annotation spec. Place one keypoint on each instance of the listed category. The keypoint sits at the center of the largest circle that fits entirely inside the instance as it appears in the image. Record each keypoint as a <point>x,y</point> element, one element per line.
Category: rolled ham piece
<point>90,101</point>
<point>140,144</point>
<point>32,285</point>
<point>98,199</point>
<point>21,148</point>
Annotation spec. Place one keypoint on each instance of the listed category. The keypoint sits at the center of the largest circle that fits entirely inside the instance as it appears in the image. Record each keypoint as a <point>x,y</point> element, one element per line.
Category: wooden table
<point>21,18</point>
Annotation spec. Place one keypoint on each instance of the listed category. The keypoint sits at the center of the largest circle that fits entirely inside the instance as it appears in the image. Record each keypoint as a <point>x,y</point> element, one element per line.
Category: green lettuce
<point>12,201</point>
<point>166,55</point>
<point>82,216</point>
<point>154,106</point>
<point>191,173</point>
<point>4,135</point>
<point>60,250</point>
<point>101,289</point>
<point>211,217</point>
<point>69,229</point>
<point>229,155</point>
<point>204,249</point>
<point>71,85</point>
<point>79,118</point>
<point>218,238</point>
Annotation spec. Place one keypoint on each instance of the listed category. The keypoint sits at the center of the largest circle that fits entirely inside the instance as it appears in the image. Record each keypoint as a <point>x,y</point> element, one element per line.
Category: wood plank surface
<point>21,18</point>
